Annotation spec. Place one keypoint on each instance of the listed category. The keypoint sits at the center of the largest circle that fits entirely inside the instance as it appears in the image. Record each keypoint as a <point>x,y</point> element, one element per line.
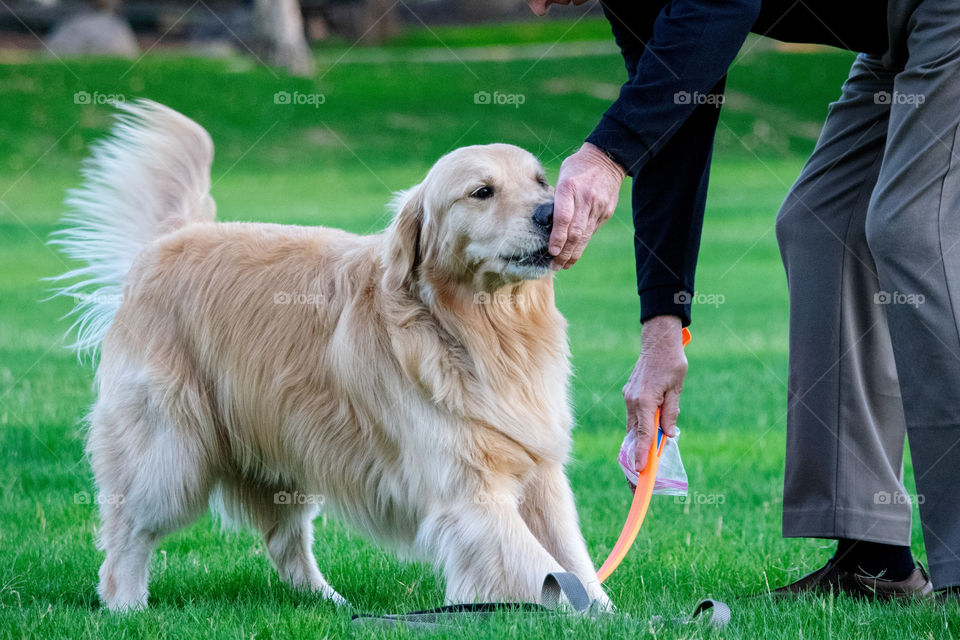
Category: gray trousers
<point>870,238</point>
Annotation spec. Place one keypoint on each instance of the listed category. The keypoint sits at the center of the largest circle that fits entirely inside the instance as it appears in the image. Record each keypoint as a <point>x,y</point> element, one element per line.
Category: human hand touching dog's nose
<point>586,195</point>
<point>540,7</point>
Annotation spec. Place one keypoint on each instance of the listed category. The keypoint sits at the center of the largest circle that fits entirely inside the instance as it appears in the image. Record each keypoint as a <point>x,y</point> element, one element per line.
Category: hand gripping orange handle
<point>641,498</point>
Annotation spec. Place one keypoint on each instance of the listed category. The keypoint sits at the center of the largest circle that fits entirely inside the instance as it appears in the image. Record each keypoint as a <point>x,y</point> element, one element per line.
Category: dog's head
<point>481,219</point>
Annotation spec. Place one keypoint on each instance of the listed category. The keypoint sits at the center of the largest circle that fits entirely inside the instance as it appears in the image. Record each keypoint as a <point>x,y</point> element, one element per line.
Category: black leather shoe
<point>916,585</point>
<point>831,578</point>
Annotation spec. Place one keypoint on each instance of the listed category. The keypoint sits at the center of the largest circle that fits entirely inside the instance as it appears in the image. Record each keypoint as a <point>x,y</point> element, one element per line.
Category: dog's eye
<point>542,181</point>
<point>482,193</point>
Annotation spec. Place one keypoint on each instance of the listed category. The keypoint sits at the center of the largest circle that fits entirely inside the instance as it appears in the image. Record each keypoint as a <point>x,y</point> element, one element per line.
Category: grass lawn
<point>379,127</point>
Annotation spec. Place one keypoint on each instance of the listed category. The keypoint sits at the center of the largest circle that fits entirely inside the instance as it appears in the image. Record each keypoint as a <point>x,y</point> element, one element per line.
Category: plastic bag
<point>671,476</point>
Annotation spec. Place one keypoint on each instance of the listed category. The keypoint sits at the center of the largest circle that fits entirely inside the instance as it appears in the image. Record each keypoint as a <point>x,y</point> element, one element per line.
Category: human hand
<point>655,383</point>
<point>586,195</point>
<point>540,7</point>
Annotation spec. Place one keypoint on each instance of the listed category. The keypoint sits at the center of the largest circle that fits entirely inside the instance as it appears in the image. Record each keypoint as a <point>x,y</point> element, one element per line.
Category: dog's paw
<point>328,593</point>
<point>602,603</point>
<point>598,598</point>
<point>126,605</point>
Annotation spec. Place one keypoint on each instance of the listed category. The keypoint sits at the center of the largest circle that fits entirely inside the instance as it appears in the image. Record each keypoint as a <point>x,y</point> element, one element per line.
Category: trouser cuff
<point>945,574</point>
<point>846,523</point>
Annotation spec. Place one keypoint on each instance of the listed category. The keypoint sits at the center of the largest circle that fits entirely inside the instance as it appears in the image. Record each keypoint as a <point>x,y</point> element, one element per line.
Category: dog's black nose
<point>543,216</point>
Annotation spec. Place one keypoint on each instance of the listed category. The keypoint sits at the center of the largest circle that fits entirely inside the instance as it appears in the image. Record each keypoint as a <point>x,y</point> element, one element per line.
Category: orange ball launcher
<point>641,498</point>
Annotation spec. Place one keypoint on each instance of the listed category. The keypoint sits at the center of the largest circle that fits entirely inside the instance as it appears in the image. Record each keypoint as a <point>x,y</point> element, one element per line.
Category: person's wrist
<point>658,328</point>
<point>600,157</point>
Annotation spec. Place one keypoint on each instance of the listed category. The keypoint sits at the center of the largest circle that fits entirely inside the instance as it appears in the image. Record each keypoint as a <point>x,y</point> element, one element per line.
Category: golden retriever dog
<point>412,382</point>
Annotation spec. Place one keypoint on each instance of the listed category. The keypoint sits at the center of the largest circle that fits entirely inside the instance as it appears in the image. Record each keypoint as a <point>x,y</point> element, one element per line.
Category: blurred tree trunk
<point>104,31</point>
<point>279,36</point>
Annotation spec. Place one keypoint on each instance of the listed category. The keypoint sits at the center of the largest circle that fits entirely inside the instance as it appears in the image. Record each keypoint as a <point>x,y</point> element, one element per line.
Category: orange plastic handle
<point>641,499</point>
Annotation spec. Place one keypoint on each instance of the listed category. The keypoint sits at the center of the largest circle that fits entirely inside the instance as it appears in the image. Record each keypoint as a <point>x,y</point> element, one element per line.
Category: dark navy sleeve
<point>661,129</point>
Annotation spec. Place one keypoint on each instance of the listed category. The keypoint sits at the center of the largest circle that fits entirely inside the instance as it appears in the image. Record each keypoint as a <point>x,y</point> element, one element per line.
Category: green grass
<point>508,33</point>
<point>380,127</point>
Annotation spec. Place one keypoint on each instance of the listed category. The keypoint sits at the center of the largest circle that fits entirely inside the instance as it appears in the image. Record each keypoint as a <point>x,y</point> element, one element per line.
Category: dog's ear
<point>403,238</point>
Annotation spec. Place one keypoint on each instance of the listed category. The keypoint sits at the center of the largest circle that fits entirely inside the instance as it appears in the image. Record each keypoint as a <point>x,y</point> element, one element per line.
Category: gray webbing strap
<point>560,584</point>
<point>566,584</point>
<point>556,587</point>
<point>719,618</point>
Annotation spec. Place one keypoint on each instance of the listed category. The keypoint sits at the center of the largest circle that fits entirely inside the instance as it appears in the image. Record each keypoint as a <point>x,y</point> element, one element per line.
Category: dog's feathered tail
<point>150,177</point>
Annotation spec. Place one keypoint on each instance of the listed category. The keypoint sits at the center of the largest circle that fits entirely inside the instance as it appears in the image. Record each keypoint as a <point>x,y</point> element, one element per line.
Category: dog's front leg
<point>487,552</point>
<point>548,509</point>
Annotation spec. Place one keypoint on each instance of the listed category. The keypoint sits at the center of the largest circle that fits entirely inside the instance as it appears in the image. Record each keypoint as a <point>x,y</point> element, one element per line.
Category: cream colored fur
<point>414,382</point>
